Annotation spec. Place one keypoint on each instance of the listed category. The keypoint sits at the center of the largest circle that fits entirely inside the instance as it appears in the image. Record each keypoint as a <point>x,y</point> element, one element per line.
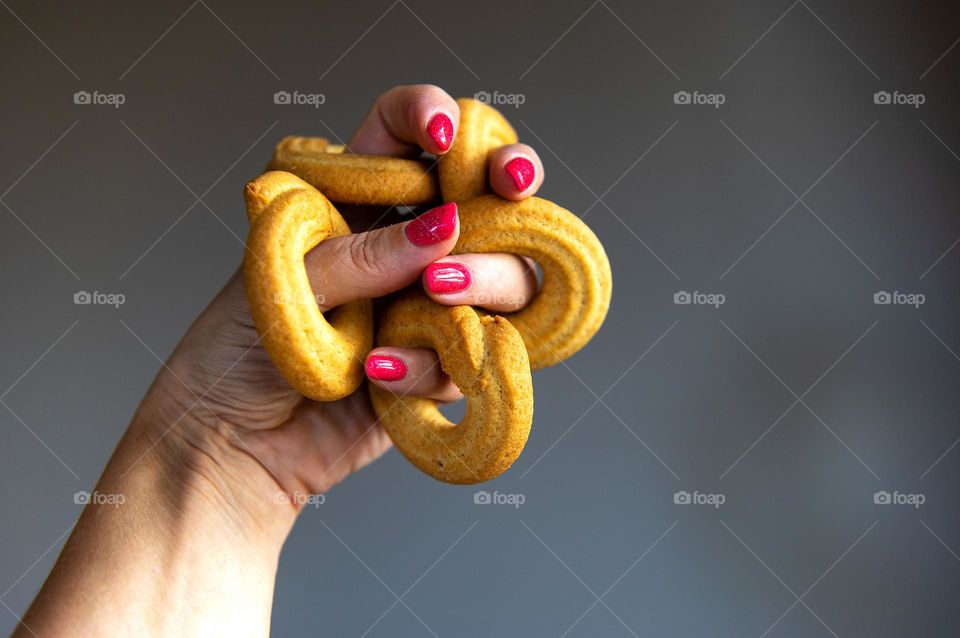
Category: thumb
<point>372,264</point>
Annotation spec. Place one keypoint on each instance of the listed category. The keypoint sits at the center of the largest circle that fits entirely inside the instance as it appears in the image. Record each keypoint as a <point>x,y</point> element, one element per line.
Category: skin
<point>222,454</point>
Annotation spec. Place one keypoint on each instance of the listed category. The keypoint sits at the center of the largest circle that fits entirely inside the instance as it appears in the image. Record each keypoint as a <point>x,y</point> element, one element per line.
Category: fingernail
<point>433,226</point>
<point>440,129</point>
<point>446,277</point>
<point>522,171</point>
<point>384,368</point>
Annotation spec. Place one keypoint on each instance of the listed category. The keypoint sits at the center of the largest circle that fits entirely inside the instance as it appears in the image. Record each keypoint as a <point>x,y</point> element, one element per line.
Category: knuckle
<point>368,256</point>
<point>403,103</point>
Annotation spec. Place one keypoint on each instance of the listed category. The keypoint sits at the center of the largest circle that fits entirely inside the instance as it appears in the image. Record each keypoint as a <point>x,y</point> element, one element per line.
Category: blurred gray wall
<point>794,401</point>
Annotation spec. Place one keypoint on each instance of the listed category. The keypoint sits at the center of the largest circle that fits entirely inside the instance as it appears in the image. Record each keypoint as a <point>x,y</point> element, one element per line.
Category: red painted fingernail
<point>433,226</point>
<point>384,368</point>
<point>522,171</point>
<point>446,277</point>
<point>440,129</point>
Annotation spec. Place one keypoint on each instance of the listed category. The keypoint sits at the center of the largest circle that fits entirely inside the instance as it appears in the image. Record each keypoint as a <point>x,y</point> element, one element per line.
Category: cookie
<point>485,357</point>
<point>320,356</point>
<point>577,284</point>
<point>355,179</point>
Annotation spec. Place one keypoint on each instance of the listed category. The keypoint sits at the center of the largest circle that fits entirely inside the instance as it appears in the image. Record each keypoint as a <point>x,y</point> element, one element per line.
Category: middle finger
<point>499,282</point>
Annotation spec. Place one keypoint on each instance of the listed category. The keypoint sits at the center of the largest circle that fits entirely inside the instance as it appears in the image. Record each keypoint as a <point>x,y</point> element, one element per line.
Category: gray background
<point>666,398</point>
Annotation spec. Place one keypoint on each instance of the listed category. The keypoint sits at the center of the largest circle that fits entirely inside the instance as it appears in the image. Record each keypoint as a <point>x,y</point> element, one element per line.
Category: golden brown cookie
<point>463,169</point>
<point>321,357</point>
<point>355,179</point>
<point>485,357</point>
<point>575,296</point>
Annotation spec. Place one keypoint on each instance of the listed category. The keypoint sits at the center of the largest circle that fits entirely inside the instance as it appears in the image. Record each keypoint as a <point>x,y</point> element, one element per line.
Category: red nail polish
<point>433,226</point>
<point>522,171</point>
<point>447,276</point>
<point>384,368</point>
<point>440,129</point>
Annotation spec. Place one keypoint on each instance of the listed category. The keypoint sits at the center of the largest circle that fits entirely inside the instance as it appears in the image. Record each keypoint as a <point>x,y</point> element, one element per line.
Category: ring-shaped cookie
<point>573,301</point>
<point>355,179</point>
<point>485,357</point>
<point>321,357</point>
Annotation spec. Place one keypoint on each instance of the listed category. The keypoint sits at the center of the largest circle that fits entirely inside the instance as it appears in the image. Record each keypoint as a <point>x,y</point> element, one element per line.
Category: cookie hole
<point>539,272</point>
<point>454,411</point>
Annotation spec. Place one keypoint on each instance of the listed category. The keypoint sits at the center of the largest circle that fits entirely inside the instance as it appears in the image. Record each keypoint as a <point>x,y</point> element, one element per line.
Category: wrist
<point>191,547</point>
<point>201,459</point>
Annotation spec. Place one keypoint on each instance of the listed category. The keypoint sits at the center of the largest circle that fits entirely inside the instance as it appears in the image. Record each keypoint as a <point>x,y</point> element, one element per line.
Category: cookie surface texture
<point>355,179</point>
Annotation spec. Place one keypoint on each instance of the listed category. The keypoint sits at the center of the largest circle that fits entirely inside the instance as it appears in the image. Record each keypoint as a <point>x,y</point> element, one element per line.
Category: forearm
<point>186,542</point>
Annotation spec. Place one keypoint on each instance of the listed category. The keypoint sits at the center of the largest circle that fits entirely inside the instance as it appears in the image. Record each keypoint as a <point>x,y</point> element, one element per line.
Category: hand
<point>224,380</point>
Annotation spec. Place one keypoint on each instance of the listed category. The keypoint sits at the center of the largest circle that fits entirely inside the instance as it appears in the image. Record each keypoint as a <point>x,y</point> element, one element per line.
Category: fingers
<point>515,171</point>
<point>406,119</point>
<point>495,281</point>
<point>410,371</point>
<point>372,264</point>
<point>409,118</point>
